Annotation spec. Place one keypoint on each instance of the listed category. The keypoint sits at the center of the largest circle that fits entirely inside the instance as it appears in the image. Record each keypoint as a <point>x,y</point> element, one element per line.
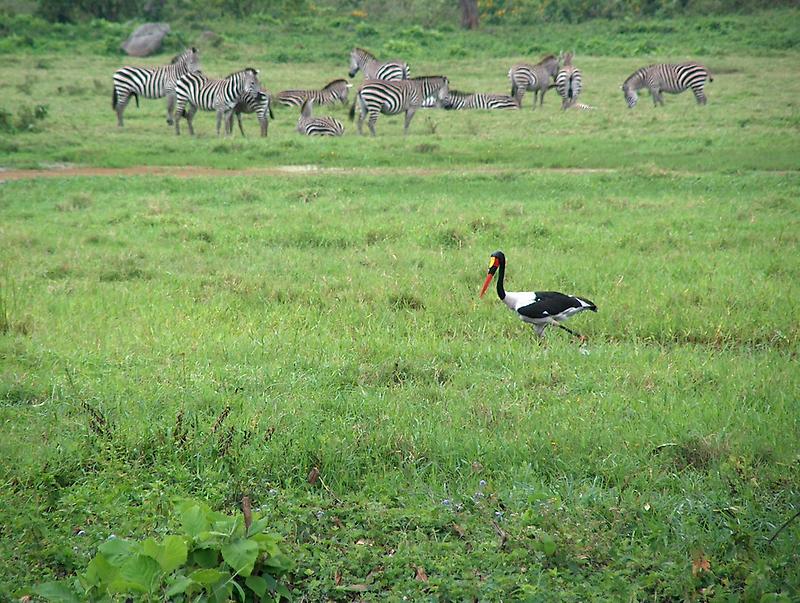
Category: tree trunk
<point>469,14</point>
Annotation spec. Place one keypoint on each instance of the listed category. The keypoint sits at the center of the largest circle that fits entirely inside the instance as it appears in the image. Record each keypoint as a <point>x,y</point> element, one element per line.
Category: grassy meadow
<point>219,335</point>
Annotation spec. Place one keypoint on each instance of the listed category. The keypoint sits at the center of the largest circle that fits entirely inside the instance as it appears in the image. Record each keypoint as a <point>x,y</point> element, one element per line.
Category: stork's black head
<point>496,260</point>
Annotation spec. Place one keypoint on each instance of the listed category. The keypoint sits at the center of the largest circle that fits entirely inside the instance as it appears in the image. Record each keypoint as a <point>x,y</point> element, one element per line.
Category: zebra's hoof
<point>170,122</point>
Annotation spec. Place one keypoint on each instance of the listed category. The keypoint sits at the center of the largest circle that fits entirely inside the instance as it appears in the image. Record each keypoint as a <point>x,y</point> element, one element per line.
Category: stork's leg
<point>539,328</point>
<point>570,331</point>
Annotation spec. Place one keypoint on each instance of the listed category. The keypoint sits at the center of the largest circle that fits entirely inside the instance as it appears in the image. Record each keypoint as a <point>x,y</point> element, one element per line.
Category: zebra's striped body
<point>334,91</point>
<point>152,82</point>
<point>259,103</point>
<point>373,69</point>
<point>456,100</point>
<point>533,77</point>
<point>317,126</point>
<point>391,98</point>
<point>664,77</point>
<point>222,96</point>
<point>568,82</point>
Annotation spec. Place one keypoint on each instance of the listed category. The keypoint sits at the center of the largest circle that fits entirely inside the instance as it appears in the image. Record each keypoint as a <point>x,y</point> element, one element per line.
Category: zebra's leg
<point>170,108</point>
<point>190,118</point>
<point>122,102</point>
<point>362,113</point>
<point>654,94</point>
<point>699,96</point>
<point>373,117</point>
<point>239,119</point>
<point>409,116</point>
<point>535,97</point>
<point>264,126</point>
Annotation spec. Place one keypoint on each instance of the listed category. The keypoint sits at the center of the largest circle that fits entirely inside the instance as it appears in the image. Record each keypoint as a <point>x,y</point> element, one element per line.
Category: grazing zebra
<point>152,82</point>
<point>477,100</point>
<point>317,126</point>
<point>373,69</point>
<point>259,103</point>
<point>533,77</point>
<point>334,91</point>
<point>391,98</point>
<point>568,82</point>
<point>667,78</point>
<point>222,96</point>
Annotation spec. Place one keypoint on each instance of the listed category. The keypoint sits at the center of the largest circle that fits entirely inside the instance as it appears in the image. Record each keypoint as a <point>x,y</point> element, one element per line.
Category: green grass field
<point>336,315</point>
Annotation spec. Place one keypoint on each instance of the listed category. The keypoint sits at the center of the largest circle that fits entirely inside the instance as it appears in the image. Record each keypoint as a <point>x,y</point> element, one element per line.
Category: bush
<point>216,557</point>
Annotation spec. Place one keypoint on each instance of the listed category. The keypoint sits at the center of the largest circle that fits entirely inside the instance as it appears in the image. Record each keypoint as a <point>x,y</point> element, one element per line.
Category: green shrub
<point>216,558</point>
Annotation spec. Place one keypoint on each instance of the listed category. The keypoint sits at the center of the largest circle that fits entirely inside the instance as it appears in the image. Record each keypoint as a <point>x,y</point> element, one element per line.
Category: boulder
<point>146,39</point>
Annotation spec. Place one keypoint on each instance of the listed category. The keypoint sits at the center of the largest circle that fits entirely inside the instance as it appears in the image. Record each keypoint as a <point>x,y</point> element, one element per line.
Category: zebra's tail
<point>710,76</point>
<point>114,98</point>
<point>136,97</point>
<point>513,88</point>
<point>271,114</point>
<point>353,110</point>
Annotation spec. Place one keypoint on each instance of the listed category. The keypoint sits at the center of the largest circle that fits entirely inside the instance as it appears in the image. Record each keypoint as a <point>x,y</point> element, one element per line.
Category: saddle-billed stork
<point>538,308</point>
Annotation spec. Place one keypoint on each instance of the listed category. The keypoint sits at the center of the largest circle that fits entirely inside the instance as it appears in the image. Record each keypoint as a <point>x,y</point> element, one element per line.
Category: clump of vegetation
<point>216,557</point>
<point>27,119</point>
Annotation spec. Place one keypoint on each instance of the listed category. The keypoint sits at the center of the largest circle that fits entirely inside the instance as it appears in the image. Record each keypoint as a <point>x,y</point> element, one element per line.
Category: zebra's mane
<point>365,52</point>
<point>182,55</point>
<point>428,77</point>
<point>245,70</point>
<point>638,73</point>
<point>459,93</point>
<point>549,57</point>
<point>333,83</point>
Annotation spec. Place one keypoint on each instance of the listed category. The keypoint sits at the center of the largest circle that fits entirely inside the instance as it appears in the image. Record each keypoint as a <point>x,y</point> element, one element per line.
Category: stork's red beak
<point>494,263</point>
<point>486,283</point>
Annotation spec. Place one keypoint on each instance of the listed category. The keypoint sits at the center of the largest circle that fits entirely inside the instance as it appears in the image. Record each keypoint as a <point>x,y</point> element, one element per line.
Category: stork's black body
<point>538,308</point>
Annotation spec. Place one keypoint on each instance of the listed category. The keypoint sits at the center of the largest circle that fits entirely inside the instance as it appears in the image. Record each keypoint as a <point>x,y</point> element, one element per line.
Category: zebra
<point>568,82</point>
<point>222,96</point>
<point>373,69</point>
<point>477,100</point>
<point>152,82</point>
<point>259,103</point>
<point>533,77</point>
<point>336,90</point>
<point>317,126</point>
<point>391,98</point>
<point>581,107</point>
<point>667,78</point>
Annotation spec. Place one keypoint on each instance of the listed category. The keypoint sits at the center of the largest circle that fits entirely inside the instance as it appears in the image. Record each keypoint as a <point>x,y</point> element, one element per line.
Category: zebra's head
<point>340,89</point>
<point>631,97</point>
<point>444,88</point>
<point>355,61</point>
<point>250,83</point>
<point>189,58</point>
<point>551,65</point>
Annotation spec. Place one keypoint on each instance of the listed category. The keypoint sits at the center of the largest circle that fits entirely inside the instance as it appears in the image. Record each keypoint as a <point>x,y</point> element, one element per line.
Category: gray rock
<point>146,39</point>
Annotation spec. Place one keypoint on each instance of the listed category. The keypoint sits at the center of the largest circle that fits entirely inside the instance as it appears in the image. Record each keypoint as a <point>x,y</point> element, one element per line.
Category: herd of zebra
<point>388,89</point>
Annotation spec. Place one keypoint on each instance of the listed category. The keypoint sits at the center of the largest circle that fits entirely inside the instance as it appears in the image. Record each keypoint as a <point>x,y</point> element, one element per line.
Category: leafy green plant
<point>217,558</point>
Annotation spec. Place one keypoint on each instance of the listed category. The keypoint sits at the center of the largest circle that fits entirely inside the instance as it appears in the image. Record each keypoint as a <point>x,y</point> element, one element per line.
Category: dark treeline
<point>428,12</point>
